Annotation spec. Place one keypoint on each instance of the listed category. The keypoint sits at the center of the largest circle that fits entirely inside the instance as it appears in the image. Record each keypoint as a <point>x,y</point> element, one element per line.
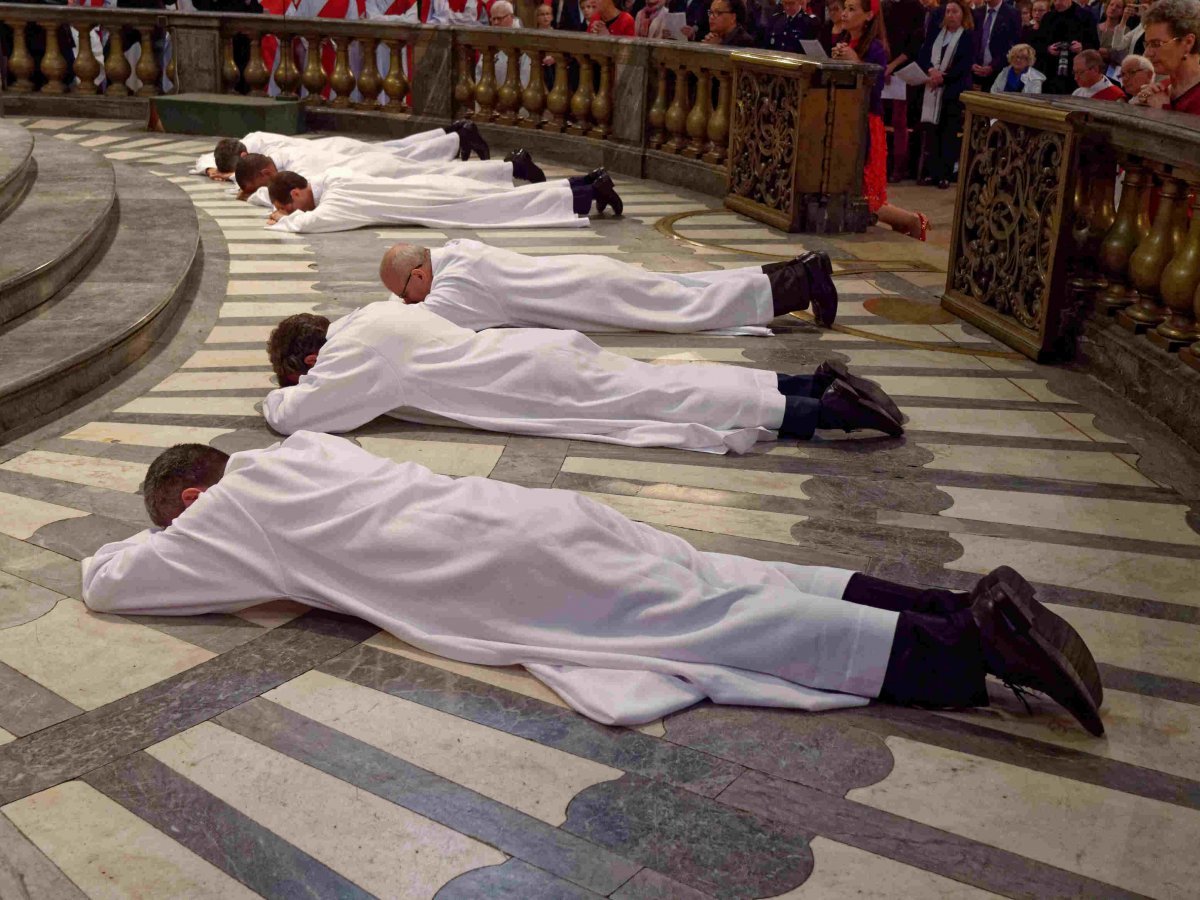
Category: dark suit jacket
<point>568,16</point>
<point>958,73</point>
<point>1006,32</point>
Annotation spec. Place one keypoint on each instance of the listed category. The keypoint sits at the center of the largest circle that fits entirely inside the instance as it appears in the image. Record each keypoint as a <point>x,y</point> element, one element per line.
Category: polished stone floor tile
<point>145,435</point>
<point>901,332</point>
<point>763,526</point>
<point>279,309</point>
<point>1138,643</point>
<point>216,381</point>
<point>1139,844</point>
<point>25,872</point>
<point>6,737</point>
<point>111,853</point>
<point>913,359</point>
<point>537,780</point>
<point>1169,579</point>
<point>956,388</point>
<point>220,359</point>
<point>23,601</point>
<point>773,484</point>
<point>840,870</point>
<point>999,422</point>
<point>443,457</point>
<point>1065,465</point>
<point>514,879</point>
<point>274,248</point>
<point>107,473</point>
<point>22,517</point>
<point>269,267</point>
<point>92,659</point>
<point>381,847</point>
<point>1163,522</point>
<point>273,613</point>
<point>239,334</point>
<point>193,406</point>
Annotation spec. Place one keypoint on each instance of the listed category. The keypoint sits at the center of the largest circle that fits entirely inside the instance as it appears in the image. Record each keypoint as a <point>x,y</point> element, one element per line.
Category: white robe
<point>479,286</point>
<point>345,201</point>
<point>626,622</point>
<point>408,362</point>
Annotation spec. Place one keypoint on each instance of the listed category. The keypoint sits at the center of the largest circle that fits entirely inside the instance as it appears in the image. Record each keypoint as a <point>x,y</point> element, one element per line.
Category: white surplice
<point>479,286</point>
<point>408,362</point>
<point>346,200</point>
<point>626,622</point>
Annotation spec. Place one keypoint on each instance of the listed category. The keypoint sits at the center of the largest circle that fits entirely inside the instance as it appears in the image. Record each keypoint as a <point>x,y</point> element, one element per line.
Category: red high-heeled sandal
<point>923,230</point>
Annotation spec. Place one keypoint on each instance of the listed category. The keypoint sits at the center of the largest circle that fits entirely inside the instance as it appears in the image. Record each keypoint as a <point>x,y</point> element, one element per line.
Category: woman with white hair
<point>1173,45</point>
<point>1019,76</point>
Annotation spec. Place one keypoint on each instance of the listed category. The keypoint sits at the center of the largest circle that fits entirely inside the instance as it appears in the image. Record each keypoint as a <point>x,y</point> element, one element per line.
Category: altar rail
<point>659,109</point>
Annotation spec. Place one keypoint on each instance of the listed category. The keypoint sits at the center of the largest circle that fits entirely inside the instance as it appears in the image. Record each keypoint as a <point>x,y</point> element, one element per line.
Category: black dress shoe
<point>469,139</point>
<point>592,176</point>
<point>524,167</point>
<point>943,184</point>
<point>768,268</point>
<point>821,292</point>
<point>606,195</point>
<point>789,289</point>
<point>832,370</point>
<point>1054,628</point>
<point>456,125</point>
<point>1017,650</point>
<point>845,407</point>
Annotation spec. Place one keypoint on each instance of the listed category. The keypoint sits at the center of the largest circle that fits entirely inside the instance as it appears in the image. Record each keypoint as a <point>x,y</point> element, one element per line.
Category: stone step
<point>109,315</point>
<point>56,228</point>
<point>17,168</point>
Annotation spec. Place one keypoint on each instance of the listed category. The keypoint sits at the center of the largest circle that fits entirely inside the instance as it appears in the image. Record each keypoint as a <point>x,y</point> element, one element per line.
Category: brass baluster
<point>255,74</point>
<point>718,123</point>
<point>116,67</point>
<point>395,85</point>
<point>1121,240</point>
<point>677,113</point>
<point>533,98</point>
<point>558,101</point>
<point>342,79</point>
<point>508,96</point>
<point>697,120</point>
<point>20,63</point>
<point>369,82</point>
<point>230,73</point>
<point>464,86</point>
<point>87,67</point>
<point>148,71</point>
<point>581,101</point>
<point>314,76</point>
<point>1149,259</point>
<point>287,76</point>
<point>485,90</point>
<point>656,117</point>
<point>602,103</point>
<point>1180,281</point>
<point>54,64</point>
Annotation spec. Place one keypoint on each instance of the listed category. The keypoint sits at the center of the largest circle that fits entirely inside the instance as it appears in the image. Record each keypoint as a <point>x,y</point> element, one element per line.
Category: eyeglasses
<point>720,12</point>
<point>1157,45</point>
<point>404,289</point>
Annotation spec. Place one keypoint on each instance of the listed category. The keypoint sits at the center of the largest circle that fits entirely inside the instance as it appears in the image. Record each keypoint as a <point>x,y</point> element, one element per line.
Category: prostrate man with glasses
<point>726,24</point>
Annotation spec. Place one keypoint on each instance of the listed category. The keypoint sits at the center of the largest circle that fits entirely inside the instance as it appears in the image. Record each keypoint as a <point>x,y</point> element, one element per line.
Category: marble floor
<point>285,753</point>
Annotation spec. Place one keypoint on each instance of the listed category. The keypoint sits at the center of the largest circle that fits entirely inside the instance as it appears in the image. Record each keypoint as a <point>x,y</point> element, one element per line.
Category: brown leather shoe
<point>832,370</point>
<point>1056,630</point>
<point>845,407</point>
<point>1017,652</point>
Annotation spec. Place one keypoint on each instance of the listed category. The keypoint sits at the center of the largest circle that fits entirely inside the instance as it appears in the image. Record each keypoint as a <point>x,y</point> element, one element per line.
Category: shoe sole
<point>1023,614</point>
<point>1055,629</point>
<point>870,404</point>
<point>867,388</point>
<point>827,268</point>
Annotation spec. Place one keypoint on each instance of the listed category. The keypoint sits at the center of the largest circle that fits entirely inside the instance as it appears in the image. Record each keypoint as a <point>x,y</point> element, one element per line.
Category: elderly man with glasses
<point>501,16</point>
<point>726,24</point>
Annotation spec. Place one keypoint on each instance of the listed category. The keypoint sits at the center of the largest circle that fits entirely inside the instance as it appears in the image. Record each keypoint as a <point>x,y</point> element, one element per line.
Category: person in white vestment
<point>340,200</point>
<point>626,623</point>
<point>408,362</point>
<point>479,286</point>
<point>457,140</point>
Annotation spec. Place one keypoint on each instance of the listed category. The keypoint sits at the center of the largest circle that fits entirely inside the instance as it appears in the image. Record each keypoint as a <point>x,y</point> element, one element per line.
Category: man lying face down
<point>405,361</point>
<point>625,622</point>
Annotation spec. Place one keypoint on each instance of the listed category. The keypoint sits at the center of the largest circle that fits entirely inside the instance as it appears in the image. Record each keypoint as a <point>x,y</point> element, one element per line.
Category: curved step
<point>17,169</point>
<point>111,314</point>
<point>58,225</point>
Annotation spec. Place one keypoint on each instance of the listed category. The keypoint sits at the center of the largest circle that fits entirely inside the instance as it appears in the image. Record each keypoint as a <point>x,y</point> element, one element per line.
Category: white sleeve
<point>347,387</point>
<point>261,197</point>
<point>439,13</point>
<point>328,216</point>
<point>184,570</point>
<point>204,161</point>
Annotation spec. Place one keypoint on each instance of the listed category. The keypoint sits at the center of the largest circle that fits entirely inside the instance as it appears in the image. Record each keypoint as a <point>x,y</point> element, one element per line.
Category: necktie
<point>987,36</point>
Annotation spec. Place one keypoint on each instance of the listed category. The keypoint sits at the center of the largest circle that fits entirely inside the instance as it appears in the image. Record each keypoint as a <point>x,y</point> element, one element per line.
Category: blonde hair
<point>1021,50</point>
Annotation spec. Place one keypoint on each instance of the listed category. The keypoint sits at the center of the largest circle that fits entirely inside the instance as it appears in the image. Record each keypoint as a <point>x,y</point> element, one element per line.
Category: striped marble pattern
<point>282,752</point>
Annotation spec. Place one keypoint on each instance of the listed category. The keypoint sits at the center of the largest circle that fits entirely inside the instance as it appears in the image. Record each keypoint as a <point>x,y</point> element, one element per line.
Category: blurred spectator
<point>902,20</point>
<point>648,23</point>
<point>1064,32</point>
<point>726,26</point>
<point>831,32</point>
<point>569,15</point>
<point>1136,73</point>
<point>1093,83</point>
<point>1116,17</point>
<point>788,26</point>
<point>609,20</point>
<point>1095,7</point>
<point>946,58</point>
<point>1172,32</point>
<point>1037,11</point>
<point>1129,36</point>
<point>865,41</point>
<point>697,16</point>
<point>543,16</point>
<point>997,29</point>
<point>501,15</point>
<point>1019,76</point>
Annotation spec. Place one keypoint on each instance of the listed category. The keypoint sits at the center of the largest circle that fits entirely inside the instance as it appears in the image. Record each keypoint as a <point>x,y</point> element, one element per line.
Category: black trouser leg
<point>800,416</point>
<point>798,385</point>
<point>583,195</point>
<point>936,661</point>
<point>866,590</point>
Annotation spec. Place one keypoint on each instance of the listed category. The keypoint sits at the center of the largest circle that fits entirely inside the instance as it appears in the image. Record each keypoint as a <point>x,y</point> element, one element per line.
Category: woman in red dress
<point>863,39</point>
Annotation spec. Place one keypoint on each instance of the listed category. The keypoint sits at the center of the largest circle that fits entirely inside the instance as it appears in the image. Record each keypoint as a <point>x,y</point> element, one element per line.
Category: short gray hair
<point>1140,63</point>
<point>1182,17</point>
<point>401,259</point>
<point>501,8</point>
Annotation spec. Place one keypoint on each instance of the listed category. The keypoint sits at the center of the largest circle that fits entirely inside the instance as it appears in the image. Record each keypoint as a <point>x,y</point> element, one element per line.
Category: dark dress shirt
<point>785,32</point>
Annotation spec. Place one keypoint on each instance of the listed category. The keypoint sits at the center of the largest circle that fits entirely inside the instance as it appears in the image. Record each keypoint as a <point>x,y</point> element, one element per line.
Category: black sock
<point>798,385</point>
<point>800,417</point>
<point>866,590</point>
<point>582,195</point>
<point>936,661</point>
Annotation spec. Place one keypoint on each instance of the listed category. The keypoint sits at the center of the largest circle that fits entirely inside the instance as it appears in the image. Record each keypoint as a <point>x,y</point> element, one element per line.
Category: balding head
<point>407,272</point>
